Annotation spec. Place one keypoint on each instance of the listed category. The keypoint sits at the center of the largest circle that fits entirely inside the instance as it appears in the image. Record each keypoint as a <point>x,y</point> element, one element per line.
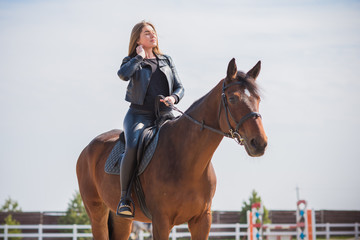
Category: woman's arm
<point>178,89</point>
<point>129,66</point>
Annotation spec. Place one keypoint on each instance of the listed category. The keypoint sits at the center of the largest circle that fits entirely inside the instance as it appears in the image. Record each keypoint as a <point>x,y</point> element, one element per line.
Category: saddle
<point>146,148</point>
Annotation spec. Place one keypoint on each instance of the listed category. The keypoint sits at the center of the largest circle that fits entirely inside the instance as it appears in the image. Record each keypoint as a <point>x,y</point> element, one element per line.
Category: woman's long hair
<point>135,36</point>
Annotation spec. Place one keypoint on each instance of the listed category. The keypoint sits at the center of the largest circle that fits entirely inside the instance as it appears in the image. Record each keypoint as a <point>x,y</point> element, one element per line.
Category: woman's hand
<point>140,51</point>
<point>168,101</point>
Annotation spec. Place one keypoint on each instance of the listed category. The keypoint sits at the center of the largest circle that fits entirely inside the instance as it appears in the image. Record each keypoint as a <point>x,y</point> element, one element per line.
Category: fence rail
<point>234,231</point>
<point>44,231</point>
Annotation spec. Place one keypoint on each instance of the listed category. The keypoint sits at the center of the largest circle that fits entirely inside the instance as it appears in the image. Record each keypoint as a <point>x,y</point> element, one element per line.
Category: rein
<point>232,133</point>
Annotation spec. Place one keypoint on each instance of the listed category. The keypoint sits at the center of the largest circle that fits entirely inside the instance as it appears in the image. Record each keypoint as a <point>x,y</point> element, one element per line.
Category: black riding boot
<point>126,205</point>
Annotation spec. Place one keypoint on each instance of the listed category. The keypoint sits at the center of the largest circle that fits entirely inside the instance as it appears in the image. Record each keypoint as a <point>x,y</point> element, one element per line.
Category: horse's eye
<point>232,99</point>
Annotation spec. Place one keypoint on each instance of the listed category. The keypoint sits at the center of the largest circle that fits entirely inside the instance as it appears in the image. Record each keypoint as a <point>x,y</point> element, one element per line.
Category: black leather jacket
<point>134,70</point>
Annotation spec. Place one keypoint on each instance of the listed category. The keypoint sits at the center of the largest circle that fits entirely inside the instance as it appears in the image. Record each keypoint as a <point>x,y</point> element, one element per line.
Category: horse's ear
<point>254,72</point>
<point>232,70</point>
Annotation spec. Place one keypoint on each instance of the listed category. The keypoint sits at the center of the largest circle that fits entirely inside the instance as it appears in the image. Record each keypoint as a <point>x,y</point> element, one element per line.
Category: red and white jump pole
<point>305,222</point>
<point>255,221</point>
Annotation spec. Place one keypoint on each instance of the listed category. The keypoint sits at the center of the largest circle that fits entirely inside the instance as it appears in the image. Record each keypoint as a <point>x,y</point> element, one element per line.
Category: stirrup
<point>128,202</point>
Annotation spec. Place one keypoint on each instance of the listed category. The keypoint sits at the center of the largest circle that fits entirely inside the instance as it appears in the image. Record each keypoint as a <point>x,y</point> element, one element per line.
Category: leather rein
<point>232,133</point>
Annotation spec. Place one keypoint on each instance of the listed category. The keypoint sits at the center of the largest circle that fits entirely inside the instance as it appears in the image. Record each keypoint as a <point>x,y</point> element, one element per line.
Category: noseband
<point>233,133</point>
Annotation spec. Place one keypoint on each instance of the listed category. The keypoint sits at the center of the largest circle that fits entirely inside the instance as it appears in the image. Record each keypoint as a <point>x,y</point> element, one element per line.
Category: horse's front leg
<point>120,228</point>
<point>200,226</point>
<point>161,227</point>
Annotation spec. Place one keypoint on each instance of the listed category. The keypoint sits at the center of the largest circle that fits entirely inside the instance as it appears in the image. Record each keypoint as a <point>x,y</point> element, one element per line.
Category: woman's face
<point>148,37</point>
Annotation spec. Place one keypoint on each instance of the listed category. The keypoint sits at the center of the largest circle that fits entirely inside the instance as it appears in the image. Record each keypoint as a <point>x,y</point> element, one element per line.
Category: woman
<point>150,73</point>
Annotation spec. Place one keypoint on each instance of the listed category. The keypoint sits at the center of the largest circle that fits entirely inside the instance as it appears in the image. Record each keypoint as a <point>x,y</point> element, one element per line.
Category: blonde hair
<point>135,36</point>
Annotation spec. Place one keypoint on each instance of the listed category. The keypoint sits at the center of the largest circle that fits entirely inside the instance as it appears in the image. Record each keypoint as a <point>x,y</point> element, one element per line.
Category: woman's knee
<point>130,150</point>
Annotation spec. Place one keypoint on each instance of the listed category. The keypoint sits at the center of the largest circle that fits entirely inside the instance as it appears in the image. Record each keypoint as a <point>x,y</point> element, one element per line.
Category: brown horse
<point>179,183</point>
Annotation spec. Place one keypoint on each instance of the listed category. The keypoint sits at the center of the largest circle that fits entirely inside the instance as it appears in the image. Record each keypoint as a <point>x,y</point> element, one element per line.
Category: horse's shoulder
<point>110,136</point>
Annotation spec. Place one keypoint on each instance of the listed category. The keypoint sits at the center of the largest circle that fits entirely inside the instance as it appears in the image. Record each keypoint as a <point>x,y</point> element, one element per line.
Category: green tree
<point>11,206</point>
<point>254,198</point>
<point>10,221</point>
<point>76,214</point>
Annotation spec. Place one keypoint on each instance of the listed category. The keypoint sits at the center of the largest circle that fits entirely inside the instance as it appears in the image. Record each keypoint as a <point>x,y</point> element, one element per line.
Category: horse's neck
<point>206,110</point>
<point>201,143</point>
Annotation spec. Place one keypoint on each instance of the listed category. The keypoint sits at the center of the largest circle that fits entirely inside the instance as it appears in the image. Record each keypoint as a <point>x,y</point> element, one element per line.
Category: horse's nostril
<point>253,143</point>
<point>258,145</point>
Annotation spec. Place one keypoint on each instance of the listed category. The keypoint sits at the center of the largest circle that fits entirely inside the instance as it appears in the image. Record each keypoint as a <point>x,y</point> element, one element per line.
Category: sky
<point>59,89</point>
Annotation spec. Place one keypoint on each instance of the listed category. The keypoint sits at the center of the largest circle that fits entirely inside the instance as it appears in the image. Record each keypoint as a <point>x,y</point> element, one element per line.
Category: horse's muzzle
<point>256,146</point>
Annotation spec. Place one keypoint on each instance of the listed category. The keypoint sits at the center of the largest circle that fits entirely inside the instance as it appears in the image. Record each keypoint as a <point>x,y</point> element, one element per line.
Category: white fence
<point>41,232</point>
<point>231,231</point>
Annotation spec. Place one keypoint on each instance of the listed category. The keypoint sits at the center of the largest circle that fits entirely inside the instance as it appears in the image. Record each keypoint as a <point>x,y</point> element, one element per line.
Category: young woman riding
<point>150,73</point>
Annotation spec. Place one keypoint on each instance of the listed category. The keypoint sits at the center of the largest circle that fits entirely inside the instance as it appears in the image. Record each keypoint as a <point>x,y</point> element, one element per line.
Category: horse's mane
<point>197,102</point>
<point>200,100</point>
<point>245,81</point>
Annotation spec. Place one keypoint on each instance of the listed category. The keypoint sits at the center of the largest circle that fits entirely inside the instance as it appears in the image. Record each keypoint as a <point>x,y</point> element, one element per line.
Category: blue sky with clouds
<point>59,89</point>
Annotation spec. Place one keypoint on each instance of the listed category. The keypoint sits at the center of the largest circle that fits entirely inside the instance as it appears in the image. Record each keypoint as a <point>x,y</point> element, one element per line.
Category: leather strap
<point>141,197</point>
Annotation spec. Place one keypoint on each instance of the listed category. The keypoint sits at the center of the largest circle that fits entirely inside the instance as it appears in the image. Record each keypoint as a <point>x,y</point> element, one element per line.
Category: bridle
<point>232,133</point>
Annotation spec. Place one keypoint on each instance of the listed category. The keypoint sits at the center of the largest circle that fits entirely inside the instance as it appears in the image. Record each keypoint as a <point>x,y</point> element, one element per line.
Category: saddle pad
<point>113,162</point>
<point>112,165</point>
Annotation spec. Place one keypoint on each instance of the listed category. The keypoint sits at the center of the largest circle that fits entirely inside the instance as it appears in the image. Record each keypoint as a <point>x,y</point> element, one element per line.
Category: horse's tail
<point>110,224</point>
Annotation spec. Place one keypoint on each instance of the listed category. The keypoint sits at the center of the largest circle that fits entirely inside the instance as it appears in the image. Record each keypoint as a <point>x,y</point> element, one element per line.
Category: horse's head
<point>240,107</point>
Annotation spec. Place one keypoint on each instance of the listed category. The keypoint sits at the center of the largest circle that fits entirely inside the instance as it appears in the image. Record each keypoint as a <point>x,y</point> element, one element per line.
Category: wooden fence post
<point>74,232</point>
<point>327,231</point>
<point>237,231</point>
<point>6,232</point>
<point>40,231</point>
<point>173,233</point>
